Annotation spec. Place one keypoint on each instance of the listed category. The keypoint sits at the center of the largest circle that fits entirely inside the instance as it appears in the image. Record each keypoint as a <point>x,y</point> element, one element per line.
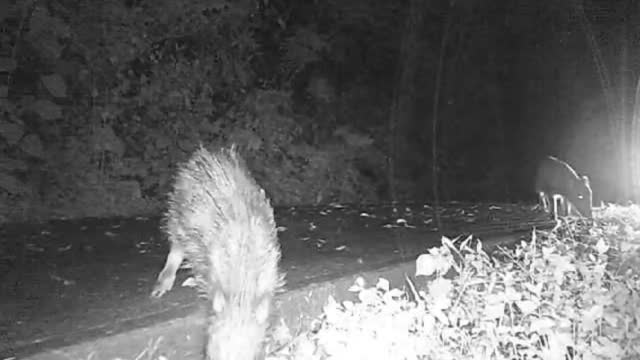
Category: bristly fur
<point>223,221</point>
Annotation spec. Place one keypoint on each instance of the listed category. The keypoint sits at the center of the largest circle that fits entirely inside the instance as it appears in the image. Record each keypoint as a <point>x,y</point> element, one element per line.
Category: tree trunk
<point>402,106</point>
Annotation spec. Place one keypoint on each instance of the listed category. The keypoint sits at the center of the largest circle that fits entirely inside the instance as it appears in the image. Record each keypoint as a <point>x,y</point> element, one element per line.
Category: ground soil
<point>65,281</point>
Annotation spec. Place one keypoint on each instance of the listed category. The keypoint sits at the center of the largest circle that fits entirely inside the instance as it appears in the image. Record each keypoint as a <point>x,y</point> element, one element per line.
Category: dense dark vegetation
<point>330,100</point>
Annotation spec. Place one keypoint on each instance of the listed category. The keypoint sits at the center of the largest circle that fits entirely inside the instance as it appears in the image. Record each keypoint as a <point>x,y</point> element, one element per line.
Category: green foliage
<point>557,295</point>
<point>302,48</point>
<point>141,79</point>
<point>292,170</point>
<point>340,34</point>
<point>104,97</point>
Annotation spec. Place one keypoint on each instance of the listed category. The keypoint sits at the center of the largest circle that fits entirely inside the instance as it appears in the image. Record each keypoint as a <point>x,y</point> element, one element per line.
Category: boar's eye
<point>580,197</point>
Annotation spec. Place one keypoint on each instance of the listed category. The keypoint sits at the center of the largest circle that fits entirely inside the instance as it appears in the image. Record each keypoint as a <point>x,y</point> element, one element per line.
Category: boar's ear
<point>585,178</point>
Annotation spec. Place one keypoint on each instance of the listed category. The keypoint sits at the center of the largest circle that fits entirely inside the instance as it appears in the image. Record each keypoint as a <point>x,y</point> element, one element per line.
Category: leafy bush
<point>555,296</point>
<point>102,99</point>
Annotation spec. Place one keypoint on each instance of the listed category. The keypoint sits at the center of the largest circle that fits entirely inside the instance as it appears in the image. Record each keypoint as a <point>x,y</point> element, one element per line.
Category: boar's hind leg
<point>570,210</point>
<point>558,198</point>
<point>544,201</point>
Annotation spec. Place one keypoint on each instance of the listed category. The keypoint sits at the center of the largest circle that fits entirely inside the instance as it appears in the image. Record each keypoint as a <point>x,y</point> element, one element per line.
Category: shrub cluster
<point>572,293</point>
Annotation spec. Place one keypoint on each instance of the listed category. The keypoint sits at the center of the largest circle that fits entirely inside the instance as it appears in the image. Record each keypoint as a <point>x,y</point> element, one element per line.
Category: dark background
<point>329,100</point>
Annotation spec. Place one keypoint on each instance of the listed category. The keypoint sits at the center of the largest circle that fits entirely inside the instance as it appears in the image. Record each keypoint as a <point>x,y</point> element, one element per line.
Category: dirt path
<point>65,281</point>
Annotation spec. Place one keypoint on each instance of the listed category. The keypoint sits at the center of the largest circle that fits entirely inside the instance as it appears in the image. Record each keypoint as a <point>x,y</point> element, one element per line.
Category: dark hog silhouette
<point>557,181</point>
